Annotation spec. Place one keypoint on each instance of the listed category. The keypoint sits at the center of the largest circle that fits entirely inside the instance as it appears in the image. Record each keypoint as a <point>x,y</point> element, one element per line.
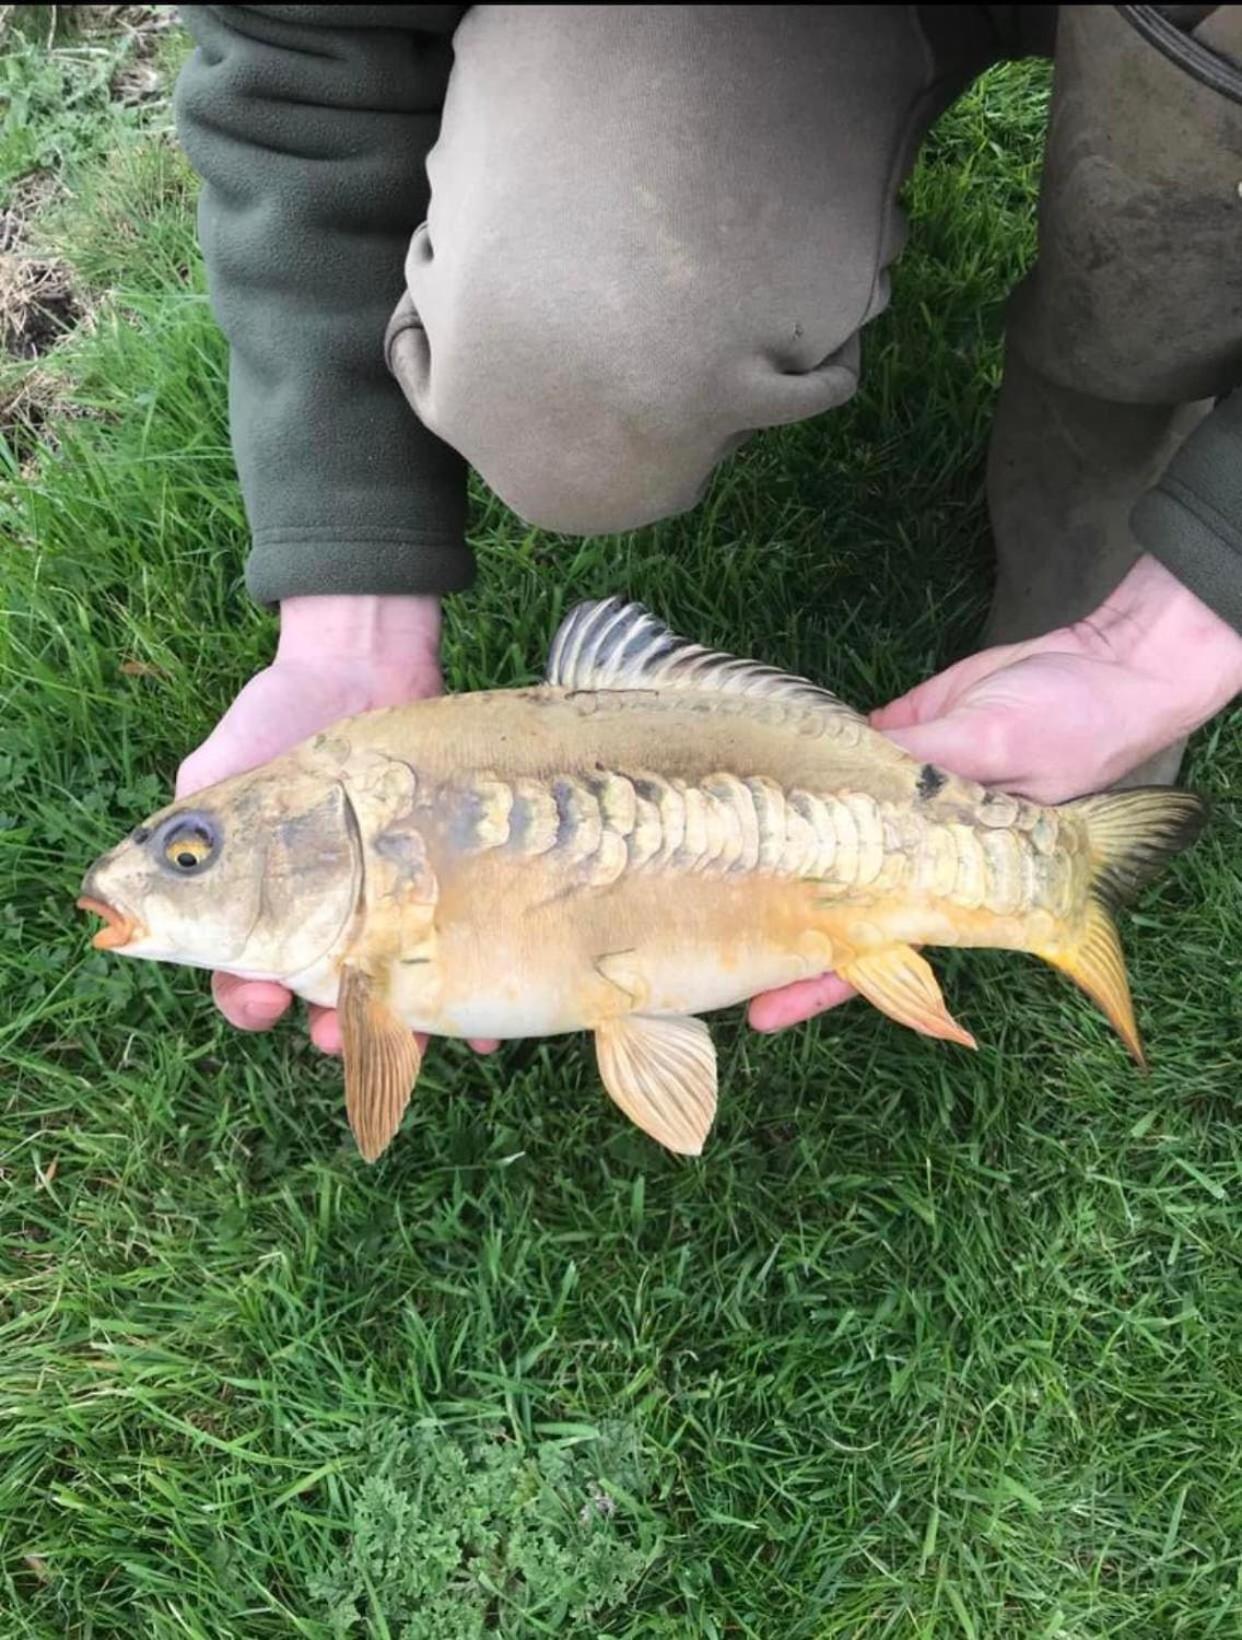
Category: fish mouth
<point>121,927</point>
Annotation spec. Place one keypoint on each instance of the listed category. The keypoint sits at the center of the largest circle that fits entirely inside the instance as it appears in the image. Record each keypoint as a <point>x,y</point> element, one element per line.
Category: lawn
<point>927,1343</point>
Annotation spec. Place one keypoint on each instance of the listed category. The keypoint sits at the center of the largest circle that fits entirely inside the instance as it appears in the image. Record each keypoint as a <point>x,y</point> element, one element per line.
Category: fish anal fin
<point>662,1073</point>
<point>900,983</point>
<point>1096,964</point>
<point>382,1061</point>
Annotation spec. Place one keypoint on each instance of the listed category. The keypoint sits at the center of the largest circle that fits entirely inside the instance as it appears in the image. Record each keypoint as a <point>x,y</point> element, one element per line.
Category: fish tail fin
<point>1131,835</point>
<point>1095,962</point>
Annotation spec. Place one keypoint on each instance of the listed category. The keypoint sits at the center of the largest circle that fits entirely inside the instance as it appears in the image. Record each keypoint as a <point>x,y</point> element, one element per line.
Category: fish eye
<point>189,844</point>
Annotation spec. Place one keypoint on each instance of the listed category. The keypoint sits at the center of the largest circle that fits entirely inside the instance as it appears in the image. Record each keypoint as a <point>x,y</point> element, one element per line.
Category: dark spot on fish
<point>931,780</point>
<point>563,793</point>
<point>405,850</point>
<point>414,962</point>
<point>305,831</point>
<point>467,816</point>
<point>598,788</point>
<point>401,847</point>
<point>331,745</point>
<point>520,816</point>
<point>141,835</point>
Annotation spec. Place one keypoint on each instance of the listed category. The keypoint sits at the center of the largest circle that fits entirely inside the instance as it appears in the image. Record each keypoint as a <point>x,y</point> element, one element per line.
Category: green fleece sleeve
<point>1192,520</point>
<point>309,126</point>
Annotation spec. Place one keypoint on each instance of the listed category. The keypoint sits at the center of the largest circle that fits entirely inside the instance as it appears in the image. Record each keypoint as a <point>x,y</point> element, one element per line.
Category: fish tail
<point>1131,835</point>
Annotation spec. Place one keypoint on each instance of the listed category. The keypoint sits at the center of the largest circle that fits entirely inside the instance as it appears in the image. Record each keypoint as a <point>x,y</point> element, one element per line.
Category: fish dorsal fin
<point>614,645</point>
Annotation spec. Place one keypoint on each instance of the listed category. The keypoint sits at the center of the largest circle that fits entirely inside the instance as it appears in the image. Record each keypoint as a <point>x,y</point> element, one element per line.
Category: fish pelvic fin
<point>1131,835</point>
<point>900,983</point>
<point>382,1061</point>
<point>662,1073</point>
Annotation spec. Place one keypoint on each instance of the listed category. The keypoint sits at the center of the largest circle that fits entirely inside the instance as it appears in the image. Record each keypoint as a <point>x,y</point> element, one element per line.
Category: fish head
<point>259,875</point>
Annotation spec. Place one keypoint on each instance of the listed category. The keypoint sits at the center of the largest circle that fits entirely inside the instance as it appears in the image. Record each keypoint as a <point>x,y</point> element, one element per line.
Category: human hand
<point>336,656</point>
<point>1058,716</point>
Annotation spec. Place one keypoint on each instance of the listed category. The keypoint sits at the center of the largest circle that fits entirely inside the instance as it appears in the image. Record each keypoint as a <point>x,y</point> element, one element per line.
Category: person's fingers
<point>899,713</point>
<point>325,1033</point>
<point>484,1044</point>
<point>249,1004</point>
<point>195,773</point>
<point>217,758</point>
<point>325,1029</point>
<point>972,744</point>
<point>937,696</point>
<point>792,1004</point>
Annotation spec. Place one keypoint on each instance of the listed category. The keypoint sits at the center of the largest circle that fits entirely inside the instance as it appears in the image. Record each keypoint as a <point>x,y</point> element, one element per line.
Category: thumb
<point>899,713</point>
<point>192,776</point>
<point>960,742</point>
<point>201,769</point>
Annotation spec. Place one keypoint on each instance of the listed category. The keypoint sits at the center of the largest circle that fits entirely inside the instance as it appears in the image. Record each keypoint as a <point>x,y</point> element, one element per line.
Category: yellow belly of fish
<point>568,902</point>
<point>557,962</point>
<point>573,963</point>
<point>561,962</point>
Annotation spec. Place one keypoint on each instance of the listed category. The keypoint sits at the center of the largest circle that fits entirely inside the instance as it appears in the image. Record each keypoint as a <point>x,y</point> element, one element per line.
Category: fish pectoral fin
<point>901,984</point>
<point>382,1060</point>
<point>662,1073</point>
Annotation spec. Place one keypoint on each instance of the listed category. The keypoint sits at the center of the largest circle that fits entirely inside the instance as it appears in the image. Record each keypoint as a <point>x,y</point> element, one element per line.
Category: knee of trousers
<point>651,231</point>
<point>593,407</point>
<point>1136,296</point>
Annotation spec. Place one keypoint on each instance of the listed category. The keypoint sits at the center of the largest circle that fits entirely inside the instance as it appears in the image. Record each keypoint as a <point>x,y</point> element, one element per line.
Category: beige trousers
<point>656,229</point>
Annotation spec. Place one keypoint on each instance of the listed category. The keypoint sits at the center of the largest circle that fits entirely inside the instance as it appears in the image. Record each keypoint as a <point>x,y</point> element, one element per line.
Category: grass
<point>927,1344</point>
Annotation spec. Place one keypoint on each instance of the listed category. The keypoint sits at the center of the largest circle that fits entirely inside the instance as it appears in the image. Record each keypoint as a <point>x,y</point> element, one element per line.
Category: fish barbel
<point>657,831</point>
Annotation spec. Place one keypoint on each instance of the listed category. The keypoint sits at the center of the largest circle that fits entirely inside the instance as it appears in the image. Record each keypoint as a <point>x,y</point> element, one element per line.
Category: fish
<point>657,831</point>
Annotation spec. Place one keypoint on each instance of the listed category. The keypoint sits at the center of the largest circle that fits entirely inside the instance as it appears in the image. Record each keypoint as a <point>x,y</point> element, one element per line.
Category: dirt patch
<point>139,79</point>
<point>33,409</point>
<point>136,20</point>
<point>58,24</point>
<point>25,407</point>
<point>37,303</point>
<point>137,82</point>
<point>38,308</point>
<point>37,191</point>
<point>41,300</point>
